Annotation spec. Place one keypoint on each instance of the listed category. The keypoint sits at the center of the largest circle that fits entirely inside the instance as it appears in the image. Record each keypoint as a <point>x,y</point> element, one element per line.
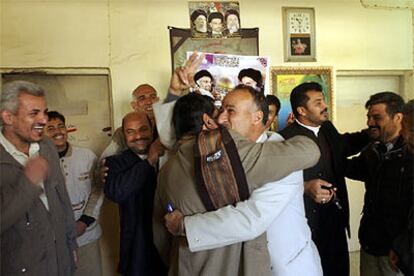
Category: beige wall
<point>130,38</point>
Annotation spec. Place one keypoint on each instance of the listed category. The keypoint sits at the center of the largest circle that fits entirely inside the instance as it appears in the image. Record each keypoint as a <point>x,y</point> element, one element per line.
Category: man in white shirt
<point>276,207</point>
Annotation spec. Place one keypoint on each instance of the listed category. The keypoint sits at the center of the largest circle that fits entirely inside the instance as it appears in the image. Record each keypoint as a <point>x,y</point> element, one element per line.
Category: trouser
<point>89,263</point>
<point>371,265</point>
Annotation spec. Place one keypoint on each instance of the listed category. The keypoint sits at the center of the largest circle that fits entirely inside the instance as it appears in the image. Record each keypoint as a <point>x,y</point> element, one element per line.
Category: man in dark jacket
<point>131,183</point>
<point>326,196</point>
<point>37,226</point>
<point>386,167</point>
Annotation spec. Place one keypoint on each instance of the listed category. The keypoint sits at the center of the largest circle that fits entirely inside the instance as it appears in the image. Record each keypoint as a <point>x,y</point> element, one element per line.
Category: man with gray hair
<point>37,233</point>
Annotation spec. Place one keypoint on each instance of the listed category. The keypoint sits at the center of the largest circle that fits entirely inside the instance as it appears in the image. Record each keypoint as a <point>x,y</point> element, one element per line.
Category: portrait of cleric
<point>198,20</point>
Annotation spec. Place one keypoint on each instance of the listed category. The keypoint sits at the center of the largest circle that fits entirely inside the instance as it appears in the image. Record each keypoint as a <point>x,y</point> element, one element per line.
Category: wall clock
<point>299,34</point>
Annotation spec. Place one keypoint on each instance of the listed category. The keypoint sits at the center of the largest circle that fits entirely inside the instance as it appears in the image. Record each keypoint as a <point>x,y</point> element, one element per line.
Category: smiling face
<point>138,132</point>
<point>239,113</point>
<point>144,97</point>
<point>56,130</point>
<point>381,125</point>
<point>27,124</point>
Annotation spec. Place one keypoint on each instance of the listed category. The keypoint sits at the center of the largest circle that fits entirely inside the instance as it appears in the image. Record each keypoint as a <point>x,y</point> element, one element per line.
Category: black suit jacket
<point>341,146</point>
<point>131,183</point>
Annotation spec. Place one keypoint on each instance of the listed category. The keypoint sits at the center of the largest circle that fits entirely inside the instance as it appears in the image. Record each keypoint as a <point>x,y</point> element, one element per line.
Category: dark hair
<point>234,12</point>
<point>202,73</point>
<point>393,102</point>
<point>214,15</point>
<point>408,112</point>
<point>188,114</point>
<point>298,96</point>
<point>273,100</point>
<point>55,115</point>
<point>196,14</point>
<point>258,98</point>
<point>256,75</point>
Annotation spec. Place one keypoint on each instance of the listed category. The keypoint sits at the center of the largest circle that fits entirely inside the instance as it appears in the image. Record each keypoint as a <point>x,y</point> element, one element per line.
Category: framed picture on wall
<point>299,34</point>
<point>284,79</point>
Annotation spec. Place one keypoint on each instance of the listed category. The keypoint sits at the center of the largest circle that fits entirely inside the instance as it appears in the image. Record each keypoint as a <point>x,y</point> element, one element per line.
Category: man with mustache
<point>36,222</point>
<point>77,165</point>
<point>131,183</point>
<point>143,97</point>
<point>386,167</point>
<point>326,197</point>
<point>276,207</point>
<point>179,183</point>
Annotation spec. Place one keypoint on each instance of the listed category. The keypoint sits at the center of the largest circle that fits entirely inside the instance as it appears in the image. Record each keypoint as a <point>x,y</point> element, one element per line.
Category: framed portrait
<point>299,34</point>
<point>284,79</point>
<point>210,19</point>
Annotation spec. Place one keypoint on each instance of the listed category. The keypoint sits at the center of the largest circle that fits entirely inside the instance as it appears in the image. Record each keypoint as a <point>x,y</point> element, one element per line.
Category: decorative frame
<point>181,42</point>
<point>299,34</point>
<point>284,79</point>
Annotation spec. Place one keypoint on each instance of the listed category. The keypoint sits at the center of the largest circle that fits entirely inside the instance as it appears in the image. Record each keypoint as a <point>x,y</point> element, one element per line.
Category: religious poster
<point>228,71</point>
<point>214,19</point>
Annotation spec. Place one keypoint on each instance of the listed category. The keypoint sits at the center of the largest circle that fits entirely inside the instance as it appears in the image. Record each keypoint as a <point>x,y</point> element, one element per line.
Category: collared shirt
<point>23,158</point>
<point>315,130</point>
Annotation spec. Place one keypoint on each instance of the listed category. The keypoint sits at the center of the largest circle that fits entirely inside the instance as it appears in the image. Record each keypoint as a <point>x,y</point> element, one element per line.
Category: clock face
<point>299,23</point>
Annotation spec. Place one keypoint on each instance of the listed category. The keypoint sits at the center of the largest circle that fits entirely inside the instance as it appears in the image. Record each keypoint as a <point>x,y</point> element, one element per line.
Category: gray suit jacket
<point>262,163</point>
<point>33,240</point>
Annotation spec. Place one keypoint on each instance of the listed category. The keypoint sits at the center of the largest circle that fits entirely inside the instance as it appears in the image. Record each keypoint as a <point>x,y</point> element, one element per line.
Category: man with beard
<point>386,167</point>
<point>276,207</point>
<point>215,22</point>
<point>36,221</point>
<point>326,197</point>
<point>77,165</point>
<point>143,97</point>
<point>199,23</point>
<point>131,183</point>
<point>179,184</point>
<point>232,19</point>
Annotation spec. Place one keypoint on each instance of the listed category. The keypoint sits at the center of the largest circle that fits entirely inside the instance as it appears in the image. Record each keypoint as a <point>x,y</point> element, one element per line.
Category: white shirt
<point>315,130</point>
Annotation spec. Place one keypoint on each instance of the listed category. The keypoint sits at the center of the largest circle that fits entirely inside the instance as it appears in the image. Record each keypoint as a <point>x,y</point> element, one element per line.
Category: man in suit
<point>326,197</point>
<point>131,183</point>
<point>276,207</point>
<point>37,227</point>
<point>177,184</point>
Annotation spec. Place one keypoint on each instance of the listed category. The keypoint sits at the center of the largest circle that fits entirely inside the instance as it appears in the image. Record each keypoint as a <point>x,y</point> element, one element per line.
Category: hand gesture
<point>155,151</point>
<point>183,77</point>
<point>36,170</point>
<point>175,222</point>
<point>319,190</point>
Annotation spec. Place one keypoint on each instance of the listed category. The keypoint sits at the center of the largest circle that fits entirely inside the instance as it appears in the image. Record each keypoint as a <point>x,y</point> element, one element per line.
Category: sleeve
<point>126,177</point>
<point>116,145</point>
<point>356,168</point>
<point>161,237</point>
<point>355,142</point>
<point>95,200</point>
<point>64,198</point>
<point>15,199</point>
<point>260,160</point>
<point>245,221</point>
